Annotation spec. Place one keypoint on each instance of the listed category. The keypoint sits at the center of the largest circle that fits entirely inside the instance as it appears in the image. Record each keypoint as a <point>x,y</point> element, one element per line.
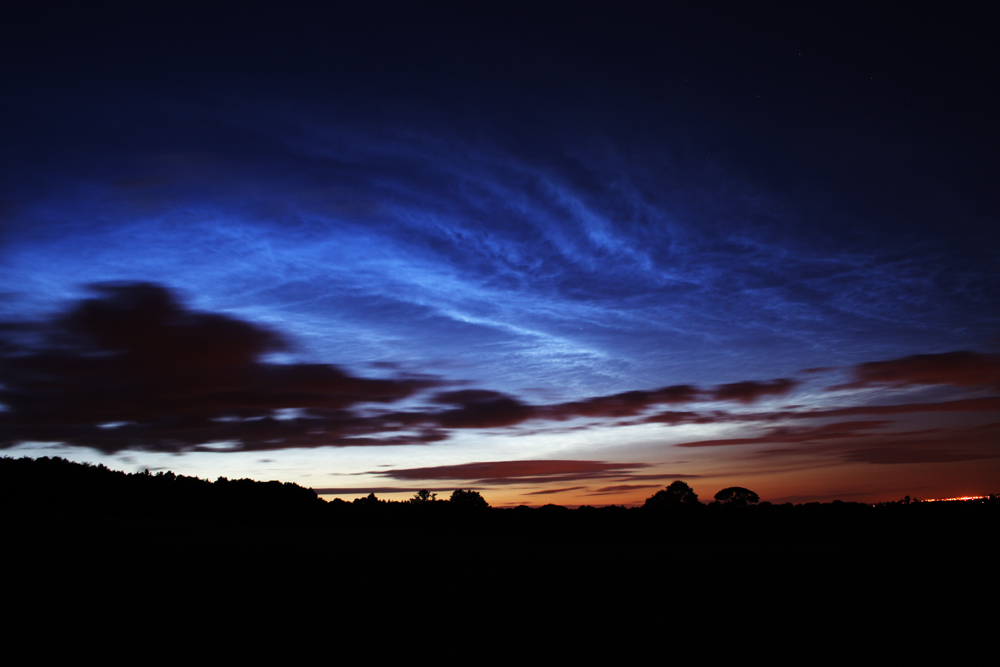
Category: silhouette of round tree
<point>468,498</point>
<point>676,495</point>
<point>423,496</point>
<point>737,496</point>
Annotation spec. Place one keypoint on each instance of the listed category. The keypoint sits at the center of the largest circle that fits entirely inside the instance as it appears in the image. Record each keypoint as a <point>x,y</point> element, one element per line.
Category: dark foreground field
<point>138,555</point>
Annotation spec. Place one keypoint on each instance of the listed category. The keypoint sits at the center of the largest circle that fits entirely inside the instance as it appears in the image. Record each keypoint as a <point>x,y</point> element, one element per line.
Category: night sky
<point>555,252</point>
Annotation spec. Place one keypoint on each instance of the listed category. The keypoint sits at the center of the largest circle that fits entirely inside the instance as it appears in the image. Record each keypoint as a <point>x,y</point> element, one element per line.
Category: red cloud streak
<point>960,369</point>
<point>517,470</point>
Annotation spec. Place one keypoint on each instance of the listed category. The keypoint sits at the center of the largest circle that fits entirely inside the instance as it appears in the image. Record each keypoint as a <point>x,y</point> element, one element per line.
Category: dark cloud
<point>968,444</point>
<point>481,408</point>
<point>132,368</point>
<point>675,418</point>
<point>961,369</point>
<point>871,442</point>
<point>548,492</point>
<point>620,488</point>
<point>984,404</point>
<point>939,445</point>
<point>625,404</point>
<point>659,477</point>
<point>749,392</point>
<point>517,472</point>
<point>908,451</point>
<point>477,408</point>
<point>794,435</point>
<point>634,403</point>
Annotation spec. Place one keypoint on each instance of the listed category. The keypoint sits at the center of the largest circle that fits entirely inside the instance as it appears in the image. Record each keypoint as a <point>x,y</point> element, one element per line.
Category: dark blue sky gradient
<point>553,202</point>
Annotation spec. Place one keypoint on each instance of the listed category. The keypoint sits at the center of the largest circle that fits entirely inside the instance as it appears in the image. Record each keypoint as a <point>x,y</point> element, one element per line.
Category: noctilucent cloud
<point>552,252</point>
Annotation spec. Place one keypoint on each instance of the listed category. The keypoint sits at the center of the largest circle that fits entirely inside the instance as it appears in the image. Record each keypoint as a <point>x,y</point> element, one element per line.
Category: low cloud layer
<point>960,369</point>
<point>547,471</point>
<point>870,442</point>
<point>132,369</point>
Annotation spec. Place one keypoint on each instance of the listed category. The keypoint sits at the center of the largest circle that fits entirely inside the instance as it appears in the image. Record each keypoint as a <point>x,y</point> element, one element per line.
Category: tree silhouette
<point>423,496</point>
<point>676,495</point>
<point>737,496</point>
<point>468,498</point>
<point>368,501</point>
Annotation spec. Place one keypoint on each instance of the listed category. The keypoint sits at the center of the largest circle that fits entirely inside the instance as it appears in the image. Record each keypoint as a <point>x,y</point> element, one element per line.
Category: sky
<point>557,252</point>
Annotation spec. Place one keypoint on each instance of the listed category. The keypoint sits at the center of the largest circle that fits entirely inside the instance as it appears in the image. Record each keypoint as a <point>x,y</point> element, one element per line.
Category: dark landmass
<point>76,533</point>
<point>62,490</point>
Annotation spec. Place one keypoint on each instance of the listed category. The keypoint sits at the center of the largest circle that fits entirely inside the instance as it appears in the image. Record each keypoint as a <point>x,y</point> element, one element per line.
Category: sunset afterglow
<point>554,257</point>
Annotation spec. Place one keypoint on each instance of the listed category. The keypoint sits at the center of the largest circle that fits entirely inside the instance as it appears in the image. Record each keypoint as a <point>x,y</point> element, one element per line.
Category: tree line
<point>57,487</point>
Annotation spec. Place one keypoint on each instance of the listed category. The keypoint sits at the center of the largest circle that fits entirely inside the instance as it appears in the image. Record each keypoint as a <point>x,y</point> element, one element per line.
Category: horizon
<point>425,495</point>
<point>552,253</point>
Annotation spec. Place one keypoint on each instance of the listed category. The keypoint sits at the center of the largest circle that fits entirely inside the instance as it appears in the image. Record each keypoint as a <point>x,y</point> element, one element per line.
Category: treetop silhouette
<point>676,495</point>
<point>737,496</point>
<point>468,498</point>
<point>423,496</point>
